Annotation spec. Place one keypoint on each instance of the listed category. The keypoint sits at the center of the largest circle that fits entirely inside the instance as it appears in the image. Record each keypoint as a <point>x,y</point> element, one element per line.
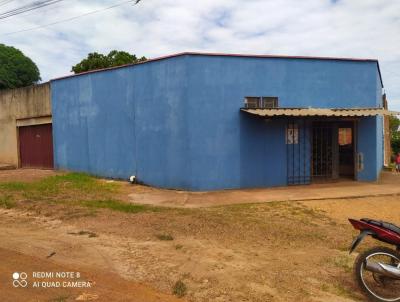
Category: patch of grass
<point>340,290</point>
<point>179,289</point>
<point>165,237</point>
<point>344,247</point>
<point>83,182</point>
<point>76,189</point>
<point>6,202</point>
<point>60,184</point>
<point>344,262</point>
<point>119,206</point>
<point>325,287</point>
<point>178,246</point>
<point>13,186</point>
<point>304,292</point>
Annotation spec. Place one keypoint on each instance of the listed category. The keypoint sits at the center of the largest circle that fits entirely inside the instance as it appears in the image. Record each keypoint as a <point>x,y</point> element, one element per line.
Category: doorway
<point>333,150</point>
<point>36,146</point>
<point>346,150</point>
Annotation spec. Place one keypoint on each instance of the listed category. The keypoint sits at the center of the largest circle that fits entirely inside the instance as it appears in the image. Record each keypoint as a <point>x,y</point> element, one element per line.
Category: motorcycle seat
<point>383,224</point>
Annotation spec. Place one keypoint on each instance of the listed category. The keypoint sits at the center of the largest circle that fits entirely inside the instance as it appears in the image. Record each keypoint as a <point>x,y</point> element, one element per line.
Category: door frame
<point>28,122</point>
<point>353,124</point>
<point>335,164</point>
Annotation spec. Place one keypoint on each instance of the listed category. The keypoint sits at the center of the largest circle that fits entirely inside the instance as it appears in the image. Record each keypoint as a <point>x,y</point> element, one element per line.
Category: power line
<point>70,19</point>
<point>26,8</point>
<point>44,10</point>
<point>5,2</point>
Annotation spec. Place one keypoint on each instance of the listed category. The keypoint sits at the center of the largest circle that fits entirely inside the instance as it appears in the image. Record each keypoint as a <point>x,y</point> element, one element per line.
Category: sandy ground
<point>275,251</point>
<point>218,260</point>
<point>35,244</point>
<point>104,286</point>
<point>383,208</point>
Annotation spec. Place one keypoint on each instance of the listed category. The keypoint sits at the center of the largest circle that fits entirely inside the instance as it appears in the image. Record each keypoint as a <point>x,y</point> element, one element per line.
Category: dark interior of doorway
<point>333,150</point>
<point>346,150</point>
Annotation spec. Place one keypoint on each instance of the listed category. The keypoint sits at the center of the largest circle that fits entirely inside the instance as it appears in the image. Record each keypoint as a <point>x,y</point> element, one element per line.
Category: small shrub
<point>6,202</point>
<point>179,289</point>
<point>60,299</point>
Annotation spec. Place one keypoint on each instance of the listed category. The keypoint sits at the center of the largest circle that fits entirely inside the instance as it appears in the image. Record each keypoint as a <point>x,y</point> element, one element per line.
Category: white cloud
<point>348,28</point>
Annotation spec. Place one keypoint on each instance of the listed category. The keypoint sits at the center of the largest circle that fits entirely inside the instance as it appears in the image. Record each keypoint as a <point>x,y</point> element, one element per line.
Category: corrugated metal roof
<point>340,112</point>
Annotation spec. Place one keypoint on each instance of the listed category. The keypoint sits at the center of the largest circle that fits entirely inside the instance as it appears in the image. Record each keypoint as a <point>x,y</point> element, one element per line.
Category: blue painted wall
<point>127,121</point>
<point>93,124</point>
<point>176,123</point>
<point>370,144</point>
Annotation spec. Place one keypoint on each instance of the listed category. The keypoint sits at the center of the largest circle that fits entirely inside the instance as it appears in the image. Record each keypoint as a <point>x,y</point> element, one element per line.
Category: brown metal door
<point>36,146</point>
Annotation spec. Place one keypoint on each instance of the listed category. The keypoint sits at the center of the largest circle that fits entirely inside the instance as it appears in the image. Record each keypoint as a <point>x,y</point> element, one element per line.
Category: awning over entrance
<point>348,112</point>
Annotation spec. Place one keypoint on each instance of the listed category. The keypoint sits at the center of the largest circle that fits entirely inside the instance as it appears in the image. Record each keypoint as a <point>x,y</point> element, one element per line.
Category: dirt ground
<point>275,251</point>
<point>26,175</point>
<point>107,285</point>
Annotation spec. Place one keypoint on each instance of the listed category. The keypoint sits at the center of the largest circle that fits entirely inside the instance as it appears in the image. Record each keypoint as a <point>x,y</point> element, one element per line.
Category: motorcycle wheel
<point>378,287</point>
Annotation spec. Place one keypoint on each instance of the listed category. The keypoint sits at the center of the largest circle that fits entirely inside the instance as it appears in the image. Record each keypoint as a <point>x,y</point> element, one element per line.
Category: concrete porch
<point>388,185</point>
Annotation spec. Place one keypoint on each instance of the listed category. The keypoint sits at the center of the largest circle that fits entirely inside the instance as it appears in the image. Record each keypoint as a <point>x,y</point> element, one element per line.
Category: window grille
<point>269,102</point>
<point>252,102</point>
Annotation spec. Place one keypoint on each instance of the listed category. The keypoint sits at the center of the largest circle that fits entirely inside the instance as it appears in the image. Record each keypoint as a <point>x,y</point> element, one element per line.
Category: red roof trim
<point>227,55</point>
<point>121,66</point>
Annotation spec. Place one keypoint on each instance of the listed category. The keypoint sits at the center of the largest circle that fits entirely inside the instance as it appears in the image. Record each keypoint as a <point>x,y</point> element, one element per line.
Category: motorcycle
<point>377,270</point>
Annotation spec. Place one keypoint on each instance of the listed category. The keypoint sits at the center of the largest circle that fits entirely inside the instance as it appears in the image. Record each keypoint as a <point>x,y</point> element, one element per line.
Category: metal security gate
<point>298,150</point>
<point>334,150</point>
<point>36,146</point>
<point>325,153</point>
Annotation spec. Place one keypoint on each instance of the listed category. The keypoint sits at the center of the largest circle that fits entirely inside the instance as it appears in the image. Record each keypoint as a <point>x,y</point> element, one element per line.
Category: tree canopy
<point>395,134</point>
<point>99,61</point>
<point>16,69</point>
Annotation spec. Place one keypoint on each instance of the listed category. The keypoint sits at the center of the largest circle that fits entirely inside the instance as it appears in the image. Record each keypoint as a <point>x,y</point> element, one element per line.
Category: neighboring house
<point>25,127</point>
<point>214,121</point>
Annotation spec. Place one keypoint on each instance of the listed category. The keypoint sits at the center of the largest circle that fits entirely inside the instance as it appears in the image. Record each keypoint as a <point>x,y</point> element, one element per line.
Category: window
<point>260,102</point>
<point>252,102</point>
<point>269,102</point>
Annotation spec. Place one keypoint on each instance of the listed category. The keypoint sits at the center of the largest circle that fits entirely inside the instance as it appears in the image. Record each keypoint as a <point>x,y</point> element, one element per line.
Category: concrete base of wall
<point>7,167</point>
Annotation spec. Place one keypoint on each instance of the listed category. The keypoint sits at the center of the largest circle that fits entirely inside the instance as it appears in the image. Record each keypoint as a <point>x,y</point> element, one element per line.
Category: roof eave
<point>223,55</point>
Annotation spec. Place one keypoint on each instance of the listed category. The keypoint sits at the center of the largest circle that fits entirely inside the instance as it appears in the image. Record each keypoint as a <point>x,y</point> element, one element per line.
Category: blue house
<point>215,121</point>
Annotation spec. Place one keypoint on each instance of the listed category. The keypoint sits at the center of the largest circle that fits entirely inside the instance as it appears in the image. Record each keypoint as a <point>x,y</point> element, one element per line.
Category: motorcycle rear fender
<point>360,238</point>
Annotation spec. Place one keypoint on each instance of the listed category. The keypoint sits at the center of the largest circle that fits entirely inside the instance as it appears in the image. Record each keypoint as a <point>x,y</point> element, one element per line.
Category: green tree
<point>395,134</point>
<point>16,69</point>
<point>98,61</point>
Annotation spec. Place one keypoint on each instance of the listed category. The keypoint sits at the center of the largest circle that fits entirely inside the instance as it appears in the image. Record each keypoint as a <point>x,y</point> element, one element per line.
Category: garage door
<point>36,146</point>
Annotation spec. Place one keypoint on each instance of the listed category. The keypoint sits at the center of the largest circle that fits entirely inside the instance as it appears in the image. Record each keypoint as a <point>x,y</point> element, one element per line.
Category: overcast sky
<point>342,28</point>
